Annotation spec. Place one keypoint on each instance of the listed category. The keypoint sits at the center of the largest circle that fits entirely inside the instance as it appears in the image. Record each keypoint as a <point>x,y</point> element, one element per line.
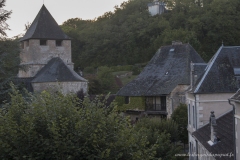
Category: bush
<point>54,126</point>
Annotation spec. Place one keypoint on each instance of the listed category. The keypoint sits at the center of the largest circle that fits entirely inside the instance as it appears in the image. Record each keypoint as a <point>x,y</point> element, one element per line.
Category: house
<point>214,141</point>
<point>162,84</point>
<point>235,102</point>
<point>156,7</point>
<point>212,88</point>
<point>46,58</point>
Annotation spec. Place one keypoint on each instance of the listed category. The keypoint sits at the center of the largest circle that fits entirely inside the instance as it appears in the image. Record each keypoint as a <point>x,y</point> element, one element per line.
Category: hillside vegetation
<point>130,35</point>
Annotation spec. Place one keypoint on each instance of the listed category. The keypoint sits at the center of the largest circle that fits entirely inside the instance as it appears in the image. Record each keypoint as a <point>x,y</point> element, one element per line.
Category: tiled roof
<point>56,70</point>
<point>219,76</point>
<point>44,27</point>
<point>224,132</point>
<point>169,67</point>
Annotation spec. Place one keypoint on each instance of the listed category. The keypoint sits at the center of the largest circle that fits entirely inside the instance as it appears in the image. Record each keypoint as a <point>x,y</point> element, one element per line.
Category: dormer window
<point>43,42</point>
<point>58,43</point>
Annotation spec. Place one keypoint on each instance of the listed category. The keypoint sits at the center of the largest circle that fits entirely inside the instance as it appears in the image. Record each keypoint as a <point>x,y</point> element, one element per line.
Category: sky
<point>24,11</point>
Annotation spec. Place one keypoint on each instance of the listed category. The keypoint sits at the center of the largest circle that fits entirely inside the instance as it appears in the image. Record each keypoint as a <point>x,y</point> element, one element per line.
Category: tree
<point>165,132</point>
<point>180,116</point>
<point>54,126</point>
<point>9,65</point>
<point>3,17</point>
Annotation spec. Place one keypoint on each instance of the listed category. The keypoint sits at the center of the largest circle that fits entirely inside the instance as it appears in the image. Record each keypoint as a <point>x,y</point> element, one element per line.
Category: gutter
<point>234,128</point>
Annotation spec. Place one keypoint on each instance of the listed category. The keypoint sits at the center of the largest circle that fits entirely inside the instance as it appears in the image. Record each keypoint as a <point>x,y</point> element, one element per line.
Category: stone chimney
<point>176,43</point>
<point>213,125</point>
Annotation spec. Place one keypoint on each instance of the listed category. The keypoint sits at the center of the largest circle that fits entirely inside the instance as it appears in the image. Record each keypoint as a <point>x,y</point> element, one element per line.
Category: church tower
<point>46,56</point>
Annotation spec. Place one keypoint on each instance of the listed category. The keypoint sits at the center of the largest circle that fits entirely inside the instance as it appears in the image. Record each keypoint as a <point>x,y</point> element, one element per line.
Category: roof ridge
<point>208,69</point>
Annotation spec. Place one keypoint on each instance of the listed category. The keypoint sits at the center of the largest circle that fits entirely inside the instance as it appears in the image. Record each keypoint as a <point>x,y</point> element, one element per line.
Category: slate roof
<point>224,132</point>
<point>219,76</point>
<point>44,27</point>
<point>169,67</point>
<point>236,96</point>
<point>57,70</point>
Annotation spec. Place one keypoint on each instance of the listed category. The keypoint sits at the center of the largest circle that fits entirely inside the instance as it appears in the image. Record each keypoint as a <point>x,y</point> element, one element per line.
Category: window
<point>156,103</point>
<point>126,100</point>
<point>194,117</point>
<point>58,42</point>
<point>189,114</point>
<point>43,42</point>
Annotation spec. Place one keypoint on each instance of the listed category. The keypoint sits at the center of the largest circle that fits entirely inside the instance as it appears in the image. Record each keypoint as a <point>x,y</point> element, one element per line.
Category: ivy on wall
<point>135,103</point>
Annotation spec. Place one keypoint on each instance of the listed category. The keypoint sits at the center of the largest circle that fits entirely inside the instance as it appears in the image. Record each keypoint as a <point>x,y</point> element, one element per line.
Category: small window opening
<point>58,42</point>
<point>126,100</point>
<point>43,42</point>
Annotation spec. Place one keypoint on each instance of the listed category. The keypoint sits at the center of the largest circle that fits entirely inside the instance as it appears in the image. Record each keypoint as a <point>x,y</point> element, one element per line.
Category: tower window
<point>43,42</point>
<point>58,42</point>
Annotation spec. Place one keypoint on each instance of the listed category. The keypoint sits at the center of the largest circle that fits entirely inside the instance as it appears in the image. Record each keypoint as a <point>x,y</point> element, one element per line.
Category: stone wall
<point>64,87</point>
<point>34,56</point>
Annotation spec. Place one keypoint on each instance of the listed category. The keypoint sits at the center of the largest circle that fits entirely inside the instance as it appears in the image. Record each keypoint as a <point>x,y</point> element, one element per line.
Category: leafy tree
<point>9,65</point>
<point>167,129</point>
<point>3,17</point>
<point>57,126</point>
<point>180,116</point>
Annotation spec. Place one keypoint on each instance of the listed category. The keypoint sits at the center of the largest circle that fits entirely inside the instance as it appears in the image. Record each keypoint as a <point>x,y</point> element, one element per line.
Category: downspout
<point>196,115</point>
<point>172,104</point>
<point>234,128</point>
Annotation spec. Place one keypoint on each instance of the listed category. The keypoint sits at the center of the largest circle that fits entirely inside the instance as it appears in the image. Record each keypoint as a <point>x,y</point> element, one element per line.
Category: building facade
<point>163,83</point>
<point>46,57</point>
<point>211,89</point>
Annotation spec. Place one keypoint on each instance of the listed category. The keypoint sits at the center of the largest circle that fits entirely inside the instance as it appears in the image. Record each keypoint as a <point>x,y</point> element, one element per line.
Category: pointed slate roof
<point>57,71</point>
<point>220,74</point>
<point>169,67</point>
<point>44,27</point>
<point>224,132</point>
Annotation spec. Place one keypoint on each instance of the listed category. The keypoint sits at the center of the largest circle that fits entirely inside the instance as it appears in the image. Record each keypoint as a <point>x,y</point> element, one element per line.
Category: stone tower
<point>46,56</point>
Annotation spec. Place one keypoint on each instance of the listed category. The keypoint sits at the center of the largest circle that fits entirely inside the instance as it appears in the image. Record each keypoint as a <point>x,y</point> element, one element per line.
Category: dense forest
<point>130,35</point>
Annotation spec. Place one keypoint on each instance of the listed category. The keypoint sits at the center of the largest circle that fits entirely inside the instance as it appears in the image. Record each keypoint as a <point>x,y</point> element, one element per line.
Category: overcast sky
<point>26,10</point>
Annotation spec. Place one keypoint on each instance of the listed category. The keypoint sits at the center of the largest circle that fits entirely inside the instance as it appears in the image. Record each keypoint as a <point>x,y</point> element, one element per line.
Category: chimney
<point>176,43</point>
<point>213,125</point>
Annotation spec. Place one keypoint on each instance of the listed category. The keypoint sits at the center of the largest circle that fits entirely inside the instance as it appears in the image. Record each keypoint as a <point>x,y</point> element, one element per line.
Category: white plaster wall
<point>177,96</point>
<point>212,102</point>
<point>64,87</point>
<point>237,128</point>
<point>205,103</point>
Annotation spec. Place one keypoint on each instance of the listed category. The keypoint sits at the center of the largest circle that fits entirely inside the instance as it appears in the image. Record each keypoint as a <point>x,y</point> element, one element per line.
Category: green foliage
<point>9,65</point>
<point>136,70</point>
<point>134,103</point>
<point>104,82</point>
<point>166,129</point>
<point>54,126</point>
<point>180,116</point>
<point>3,18</point>
<point>57,126</point>
<point>130,35</point>
<point>122,68</point>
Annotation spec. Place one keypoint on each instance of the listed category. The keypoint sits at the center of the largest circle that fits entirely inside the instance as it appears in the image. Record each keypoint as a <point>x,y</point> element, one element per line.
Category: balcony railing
<point>156,107</point>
